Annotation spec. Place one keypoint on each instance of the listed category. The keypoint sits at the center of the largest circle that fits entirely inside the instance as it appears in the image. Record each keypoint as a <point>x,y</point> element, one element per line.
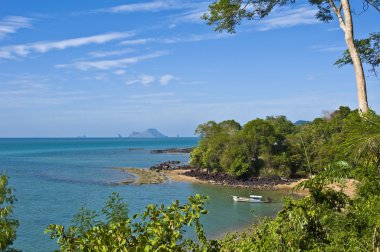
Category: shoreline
<point>349,187</point>
<point>148,176</point>
<point>177,175</point>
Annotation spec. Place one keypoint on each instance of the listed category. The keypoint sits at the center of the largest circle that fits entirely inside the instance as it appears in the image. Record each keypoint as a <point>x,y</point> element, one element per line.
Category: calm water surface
<point>53,178</point>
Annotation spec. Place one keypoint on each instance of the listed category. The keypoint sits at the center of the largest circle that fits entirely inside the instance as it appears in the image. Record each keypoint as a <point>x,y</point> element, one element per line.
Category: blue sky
<point>105,67</point>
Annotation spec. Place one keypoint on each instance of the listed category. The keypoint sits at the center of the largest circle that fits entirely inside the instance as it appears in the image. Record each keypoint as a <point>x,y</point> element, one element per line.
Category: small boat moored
<point>251,199</point>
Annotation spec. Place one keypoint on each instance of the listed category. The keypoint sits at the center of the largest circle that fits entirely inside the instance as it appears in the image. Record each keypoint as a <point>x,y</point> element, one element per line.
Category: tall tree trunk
<point>358,67</point>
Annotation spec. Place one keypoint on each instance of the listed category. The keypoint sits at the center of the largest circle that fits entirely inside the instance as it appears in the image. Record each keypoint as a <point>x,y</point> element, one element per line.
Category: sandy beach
<point>147,176</point>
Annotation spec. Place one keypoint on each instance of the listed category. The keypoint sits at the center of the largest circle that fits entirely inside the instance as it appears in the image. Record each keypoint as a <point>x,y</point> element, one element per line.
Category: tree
<point>8,225</point>
<point>158,228</point>
<point>369,50</point>
<point>227,14</point>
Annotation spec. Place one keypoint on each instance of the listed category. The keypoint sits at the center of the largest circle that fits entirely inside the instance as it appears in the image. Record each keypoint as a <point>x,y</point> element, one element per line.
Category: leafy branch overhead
<point>369,50</point>
<point>227,14</point>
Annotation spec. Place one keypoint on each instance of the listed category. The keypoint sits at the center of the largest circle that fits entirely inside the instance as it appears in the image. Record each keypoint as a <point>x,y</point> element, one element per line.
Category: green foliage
<point>275,146</point>
<point>271,146</point>
<point>327,219</point>
<point>8,225</point>
<point>369,51</point>
<point>158,228</point>
<point>227,14</point>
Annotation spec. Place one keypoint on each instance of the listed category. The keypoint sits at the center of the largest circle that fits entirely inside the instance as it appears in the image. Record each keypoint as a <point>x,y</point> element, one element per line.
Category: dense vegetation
<point>272,146</point>
<point>158,228</point>
<point>328,220</point>
<point>8,224</point>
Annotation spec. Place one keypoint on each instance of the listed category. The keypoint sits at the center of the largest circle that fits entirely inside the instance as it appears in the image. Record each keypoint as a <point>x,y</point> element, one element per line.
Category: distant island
<point>301,122</point>
<point>149,133</point>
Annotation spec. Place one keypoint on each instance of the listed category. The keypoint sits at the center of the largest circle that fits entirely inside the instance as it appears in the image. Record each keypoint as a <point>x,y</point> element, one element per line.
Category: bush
<point>8,225</point>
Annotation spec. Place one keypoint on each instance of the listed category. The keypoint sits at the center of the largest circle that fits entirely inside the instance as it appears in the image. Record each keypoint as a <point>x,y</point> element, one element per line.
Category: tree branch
<point>337,11</point>
<point>373,5</point>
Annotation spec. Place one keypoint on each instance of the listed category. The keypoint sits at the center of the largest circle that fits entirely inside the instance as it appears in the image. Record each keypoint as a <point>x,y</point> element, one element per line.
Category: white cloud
<point>15,51</point>
<point>194,38</point>
<point>285,18</point>
<point>147,7</point>
<point>109,64</point>
<point>153,6</point>
<point>328,48</point>
<point>166,79</point>
<point>193,15</point>
<point>102,54</point>
<point>136,41</point>
<point>143,79</point>
<point>11,24</point>
<point>119,72</point>
<point>178,39</point>
<point>155,95</point>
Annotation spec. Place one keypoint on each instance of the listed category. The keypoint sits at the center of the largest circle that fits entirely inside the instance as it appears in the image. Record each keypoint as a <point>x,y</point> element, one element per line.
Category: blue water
<point>53,178</point>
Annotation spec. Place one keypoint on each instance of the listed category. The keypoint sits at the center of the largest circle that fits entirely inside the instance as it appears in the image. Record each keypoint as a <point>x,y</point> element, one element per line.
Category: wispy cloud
<point>102,54</point>
<point>119,72</point>
<point>166,79</point>
<point>146,7</point>
<point>14,51</point>
<point>285,18</point>
<point>11,24</point>
<point>109,64</point>
<point>328,48</point>
<point>143,79</point>
<point>136,41</point>
<point>155,95</point>
<point>193,15</point>
<point>178,39</point>
<point>152,6</point>
<point>146,79</point>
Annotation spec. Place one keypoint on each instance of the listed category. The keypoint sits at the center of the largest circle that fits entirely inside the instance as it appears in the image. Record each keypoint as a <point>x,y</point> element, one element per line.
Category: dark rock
<point>169,166</point>
<point>172,151</point>
<point>226,179</point>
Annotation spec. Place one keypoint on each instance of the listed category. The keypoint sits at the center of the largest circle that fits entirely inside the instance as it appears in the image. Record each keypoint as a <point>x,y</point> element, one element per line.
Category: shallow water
<point>53,178</point>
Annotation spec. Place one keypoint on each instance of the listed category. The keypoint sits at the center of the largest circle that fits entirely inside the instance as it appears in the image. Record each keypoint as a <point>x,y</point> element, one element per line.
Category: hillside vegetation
<point>272,146</point>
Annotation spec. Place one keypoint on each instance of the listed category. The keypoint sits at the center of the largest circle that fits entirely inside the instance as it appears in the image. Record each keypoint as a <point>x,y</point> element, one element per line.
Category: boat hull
<point>244,199</point>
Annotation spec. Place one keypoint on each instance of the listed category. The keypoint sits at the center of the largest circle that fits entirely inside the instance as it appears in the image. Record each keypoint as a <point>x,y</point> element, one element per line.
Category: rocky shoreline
<point>172,151</point>
<point>170,166</point>
<point>228,180</point>
<point>177,171</point>
<point>220,178</point>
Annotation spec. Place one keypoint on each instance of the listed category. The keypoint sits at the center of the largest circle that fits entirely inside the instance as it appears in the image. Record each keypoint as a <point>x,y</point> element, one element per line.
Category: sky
<point>107,67</point>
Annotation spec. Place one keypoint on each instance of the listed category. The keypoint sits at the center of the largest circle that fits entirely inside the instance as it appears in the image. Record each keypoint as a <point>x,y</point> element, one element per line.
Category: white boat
<point>245,199</point>
<point>251,199</point>
<point>256,197</point>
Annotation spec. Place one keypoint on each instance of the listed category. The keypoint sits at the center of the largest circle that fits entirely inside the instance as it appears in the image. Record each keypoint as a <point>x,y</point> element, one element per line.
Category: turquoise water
<point>53,178</point>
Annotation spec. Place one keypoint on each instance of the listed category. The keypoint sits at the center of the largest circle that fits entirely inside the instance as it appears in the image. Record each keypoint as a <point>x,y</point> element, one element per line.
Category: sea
<point>53,178</point>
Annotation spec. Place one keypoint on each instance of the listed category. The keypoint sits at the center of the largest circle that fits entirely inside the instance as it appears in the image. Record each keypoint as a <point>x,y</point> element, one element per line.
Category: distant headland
<point>149,133</point>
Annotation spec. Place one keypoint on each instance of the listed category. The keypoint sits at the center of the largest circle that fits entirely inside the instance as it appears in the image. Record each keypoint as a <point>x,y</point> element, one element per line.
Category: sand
<point>147,176</point>
<point>143,176</point>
